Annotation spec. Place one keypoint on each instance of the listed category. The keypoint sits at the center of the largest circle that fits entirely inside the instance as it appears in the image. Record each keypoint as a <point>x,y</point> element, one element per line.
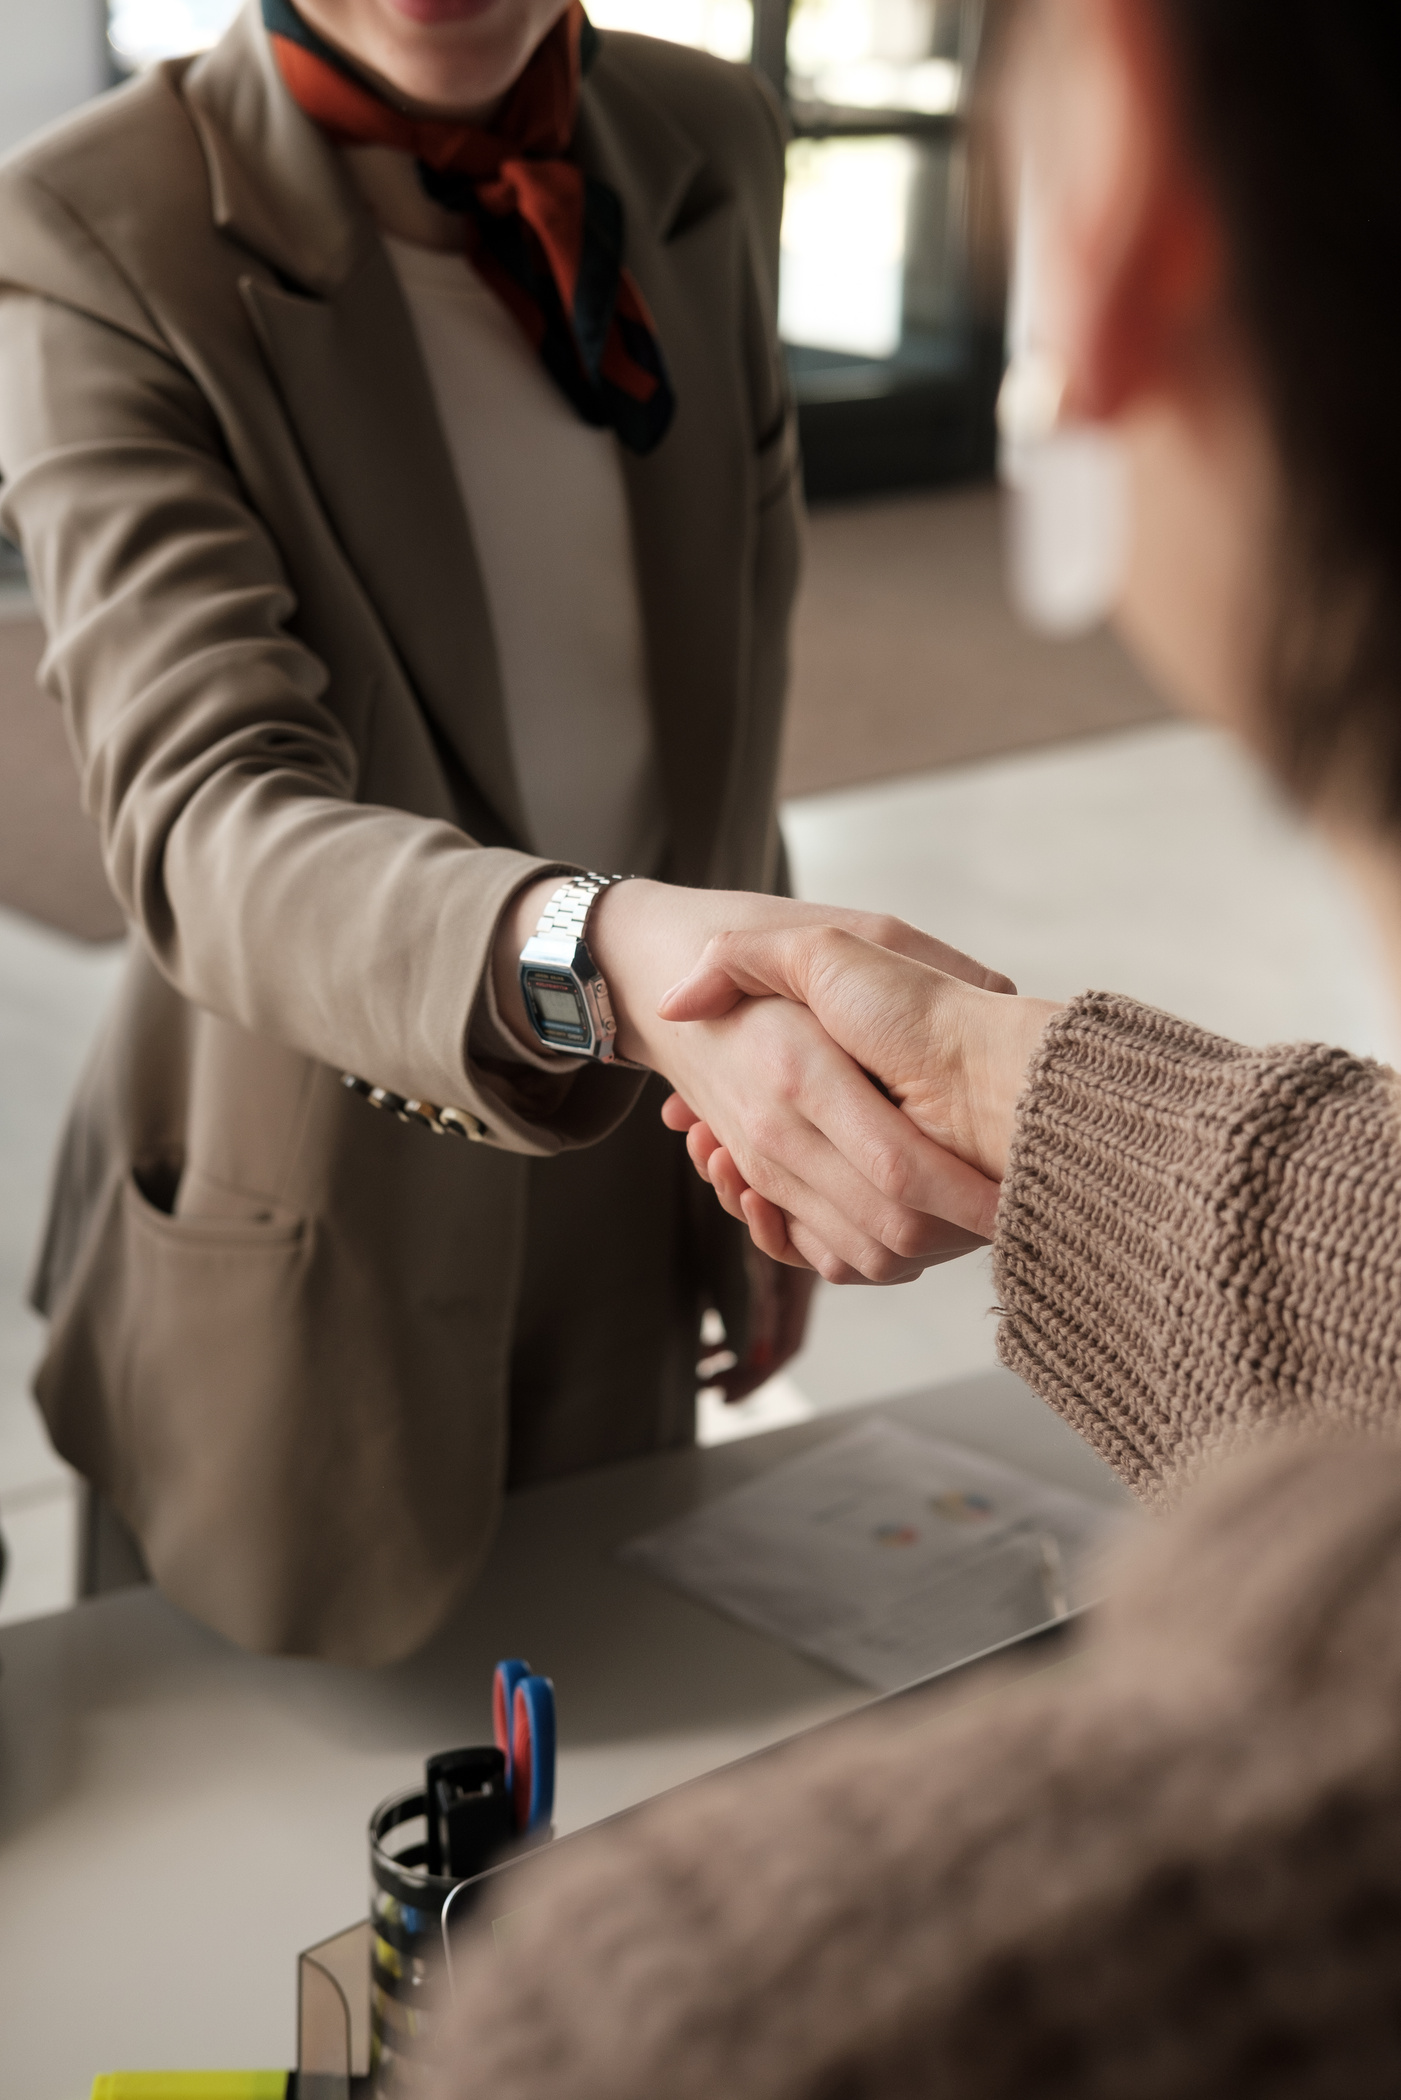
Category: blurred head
<point>1218,213</point>
<point>457,57</point>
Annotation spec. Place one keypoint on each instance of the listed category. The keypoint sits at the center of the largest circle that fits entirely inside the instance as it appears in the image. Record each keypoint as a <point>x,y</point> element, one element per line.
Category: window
<point>142,32</point>
<point>894,367</point>
<point>725,27</point>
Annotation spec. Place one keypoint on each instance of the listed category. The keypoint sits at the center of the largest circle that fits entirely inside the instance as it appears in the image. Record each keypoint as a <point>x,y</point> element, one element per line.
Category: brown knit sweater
<point>1174,1870</point>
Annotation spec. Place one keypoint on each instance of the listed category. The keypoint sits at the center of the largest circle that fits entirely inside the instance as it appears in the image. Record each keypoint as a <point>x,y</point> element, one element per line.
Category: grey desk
<point>177,1819</point>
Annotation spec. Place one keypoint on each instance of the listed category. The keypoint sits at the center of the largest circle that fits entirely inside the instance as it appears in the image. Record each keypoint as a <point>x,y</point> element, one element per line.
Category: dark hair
<point>1296,106</point>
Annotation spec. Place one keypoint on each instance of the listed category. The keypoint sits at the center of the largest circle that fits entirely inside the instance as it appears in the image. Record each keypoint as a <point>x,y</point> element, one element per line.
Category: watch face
<point>557,1008</point>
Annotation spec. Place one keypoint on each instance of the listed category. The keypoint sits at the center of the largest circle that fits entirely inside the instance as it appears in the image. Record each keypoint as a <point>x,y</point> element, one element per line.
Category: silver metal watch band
<point>567,914</point>
<point>567,911</point>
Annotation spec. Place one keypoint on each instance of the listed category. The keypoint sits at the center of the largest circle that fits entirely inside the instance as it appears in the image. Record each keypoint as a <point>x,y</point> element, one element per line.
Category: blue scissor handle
<point>505,1678</point>
<point>533,1753</point>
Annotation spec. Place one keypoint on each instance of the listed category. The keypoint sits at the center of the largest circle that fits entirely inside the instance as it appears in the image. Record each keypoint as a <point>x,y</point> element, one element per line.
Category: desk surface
<point>178,1819</point>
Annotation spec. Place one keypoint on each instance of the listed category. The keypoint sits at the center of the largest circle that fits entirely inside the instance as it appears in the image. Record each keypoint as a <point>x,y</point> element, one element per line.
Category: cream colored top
<point>545,499</point>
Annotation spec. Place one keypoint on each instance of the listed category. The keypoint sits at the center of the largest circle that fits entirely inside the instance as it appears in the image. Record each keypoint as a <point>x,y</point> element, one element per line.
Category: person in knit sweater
<point>1175,1870</point>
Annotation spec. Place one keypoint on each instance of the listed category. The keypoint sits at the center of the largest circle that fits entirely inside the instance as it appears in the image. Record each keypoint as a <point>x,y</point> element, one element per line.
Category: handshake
<point>847,1084</point>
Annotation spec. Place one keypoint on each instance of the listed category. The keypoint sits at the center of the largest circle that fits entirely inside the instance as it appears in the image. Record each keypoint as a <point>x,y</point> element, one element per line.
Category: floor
<point>52,994</point>
<point>906,657</point>
<point>50,867</point>
<point>1150,861</point>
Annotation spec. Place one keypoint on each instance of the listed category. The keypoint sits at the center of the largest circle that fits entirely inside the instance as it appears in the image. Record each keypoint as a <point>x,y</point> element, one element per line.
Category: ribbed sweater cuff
<point>1196,1239</point>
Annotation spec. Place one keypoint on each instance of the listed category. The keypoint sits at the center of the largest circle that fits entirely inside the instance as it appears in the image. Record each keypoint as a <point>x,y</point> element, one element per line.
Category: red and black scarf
<point>547,238</point>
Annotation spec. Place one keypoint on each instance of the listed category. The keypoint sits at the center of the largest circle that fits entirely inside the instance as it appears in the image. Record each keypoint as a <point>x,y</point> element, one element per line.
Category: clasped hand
<point>949,1046</point>
<point>834,1070</point>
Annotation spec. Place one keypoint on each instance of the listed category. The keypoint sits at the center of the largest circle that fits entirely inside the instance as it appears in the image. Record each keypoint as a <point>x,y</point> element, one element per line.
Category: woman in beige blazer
<point>298,1347</point>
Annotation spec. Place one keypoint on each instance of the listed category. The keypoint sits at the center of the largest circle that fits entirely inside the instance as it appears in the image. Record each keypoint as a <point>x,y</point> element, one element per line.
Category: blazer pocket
<point>210,1347</point>
<point>149,1201</point>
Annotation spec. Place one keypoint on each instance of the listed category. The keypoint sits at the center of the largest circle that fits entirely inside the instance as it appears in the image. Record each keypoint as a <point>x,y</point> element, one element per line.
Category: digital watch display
<point>557,1009</point>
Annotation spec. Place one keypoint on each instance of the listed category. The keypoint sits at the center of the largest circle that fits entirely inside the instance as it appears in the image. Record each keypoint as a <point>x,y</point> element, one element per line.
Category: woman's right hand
<point>801,1120</point>
<point>952,1054</point>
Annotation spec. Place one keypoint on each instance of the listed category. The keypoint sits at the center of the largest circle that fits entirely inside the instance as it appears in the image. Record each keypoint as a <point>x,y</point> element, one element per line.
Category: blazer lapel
<point>691,500</point>
<point>340,342</point>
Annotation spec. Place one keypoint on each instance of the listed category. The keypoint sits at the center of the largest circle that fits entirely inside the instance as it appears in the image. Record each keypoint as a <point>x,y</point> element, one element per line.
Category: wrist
<point>1000,1041</point>
<point>631,935</point>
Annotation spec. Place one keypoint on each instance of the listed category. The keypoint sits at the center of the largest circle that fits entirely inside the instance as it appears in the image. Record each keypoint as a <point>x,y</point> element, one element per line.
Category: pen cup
<point>406,1908</point>
<point>424,1844</point>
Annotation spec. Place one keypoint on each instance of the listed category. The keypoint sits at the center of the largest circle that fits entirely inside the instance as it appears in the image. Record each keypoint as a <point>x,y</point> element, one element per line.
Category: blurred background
<point>1024,798</point>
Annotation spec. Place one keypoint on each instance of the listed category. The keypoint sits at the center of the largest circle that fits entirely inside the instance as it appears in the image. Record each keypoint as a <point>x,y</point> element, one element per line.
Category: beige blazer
<point>282,1322</point>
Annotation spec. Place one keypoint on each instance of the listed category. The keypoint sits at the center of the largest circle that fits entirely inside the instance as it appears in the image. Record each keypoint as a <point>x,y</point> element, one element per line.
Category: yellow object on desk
<point>190,2085</point>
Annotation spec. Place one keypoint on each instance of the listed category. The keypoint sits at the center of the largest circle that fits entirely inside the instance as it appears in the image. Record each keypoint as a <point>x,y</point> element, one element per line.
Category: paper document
<point>886,1553</point>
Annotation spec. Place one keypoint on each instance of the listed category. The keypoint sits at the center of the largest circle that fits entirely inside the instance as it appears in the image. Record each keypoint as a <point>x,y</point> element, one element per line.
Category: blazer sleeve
<point>222,778</point>
<point>1199,1243</point>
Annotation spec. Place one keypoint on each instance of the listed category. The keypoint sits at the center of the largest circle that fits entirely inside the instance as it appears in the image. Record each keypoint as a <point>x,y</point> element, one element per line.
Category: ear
<point>1130,267</point>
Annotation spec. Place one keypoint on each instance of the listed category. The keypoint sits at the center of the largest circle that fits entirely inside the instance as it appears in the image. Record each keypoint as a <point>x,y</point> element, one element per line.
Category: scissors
<point>523,1722</point>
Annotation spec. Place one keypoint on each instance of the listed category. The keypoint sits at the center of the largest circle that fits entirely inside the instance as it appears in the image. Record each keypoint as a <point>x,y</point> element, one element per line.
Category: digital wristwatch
<point>565,993</point>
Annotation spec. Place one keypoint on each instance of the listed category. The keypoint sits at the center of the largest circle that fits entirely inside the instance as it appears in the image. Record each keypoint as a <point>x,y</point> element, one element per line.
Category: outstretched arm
<point>1197,1243</point>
